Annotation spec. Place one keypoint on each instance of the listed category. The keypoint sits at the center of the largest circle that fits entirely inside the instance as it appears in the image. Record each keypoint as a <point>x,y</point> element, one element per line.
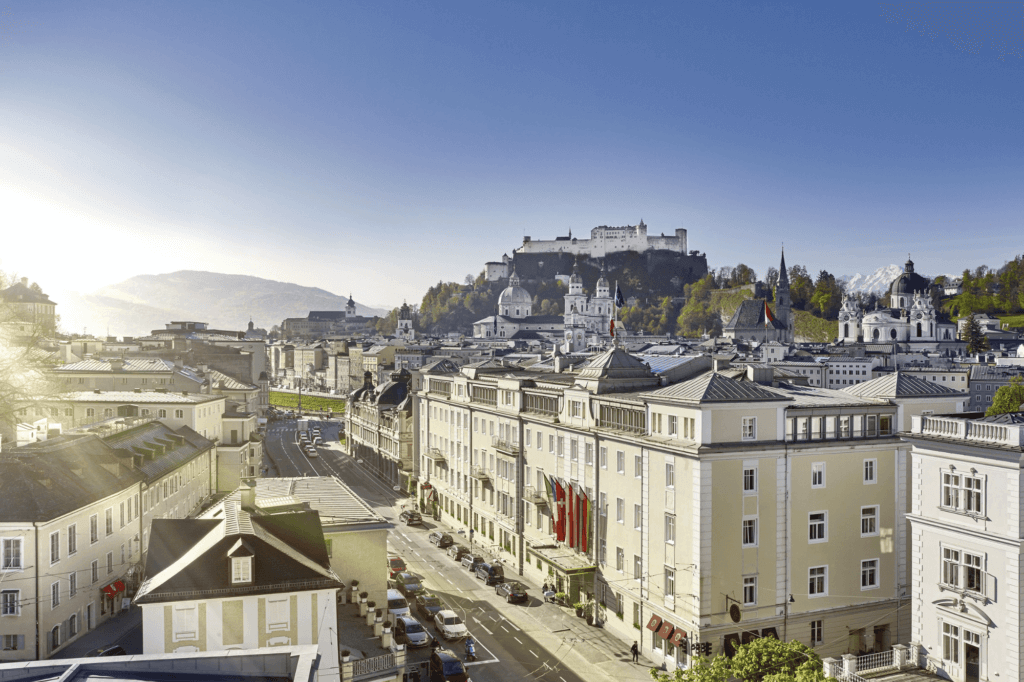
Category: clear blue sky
<point>379,147</point>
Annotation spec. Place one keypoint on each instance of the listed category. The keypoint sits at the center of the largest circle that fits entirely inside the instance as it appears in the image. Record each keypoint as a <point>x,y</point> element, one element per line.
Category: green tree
<point>702,669</point>
<point>698,315</point>
<point>801,287</point>
<point>827,297</point>
<point>1008,398</point>
<point>768,658</point>
<point>976,341</point>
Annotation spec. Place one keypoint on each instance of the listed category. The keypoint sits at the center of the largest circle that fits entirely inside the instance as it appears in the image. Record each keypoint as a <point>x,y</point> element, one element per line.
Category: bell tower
<point>783,303</point>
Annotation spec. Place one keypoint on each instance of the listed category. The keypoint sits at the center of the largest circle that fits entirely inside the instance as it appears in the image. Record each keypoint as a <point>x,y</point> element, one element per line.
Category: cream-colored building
<point>379,427</point>
<point>241,578</point>
<point>717,507</point>
<point>128,374</point>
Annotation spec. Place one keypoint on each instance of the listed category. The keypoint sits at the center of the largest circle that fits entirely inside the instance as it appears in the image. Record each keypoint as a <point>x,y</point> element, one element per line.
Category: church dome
<point>514,297</point>
<point>909,282</point>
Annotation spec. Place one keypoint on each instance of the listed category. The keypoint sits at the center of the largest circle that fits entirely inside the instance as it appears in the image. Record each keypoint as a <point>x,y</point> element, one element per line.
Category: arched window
<point>55,637</point>
<point>73,625</point>
<point>108,412</point>
<point>918,330</point>
<point>846,329</point>
<point>892,334</point>
<point>162,414</point>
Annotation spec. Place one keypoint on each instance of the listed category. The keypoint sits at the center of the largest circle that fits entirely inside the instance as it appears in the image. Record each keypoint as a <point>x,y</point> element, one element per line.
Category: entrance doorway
<point>972,657</point>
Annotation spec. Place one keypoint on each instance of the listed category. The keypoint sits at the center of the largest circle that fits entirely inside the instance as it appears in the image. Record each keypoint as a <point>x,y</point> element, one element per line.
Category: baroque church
<point>910,317</point>
<point>754,321</point>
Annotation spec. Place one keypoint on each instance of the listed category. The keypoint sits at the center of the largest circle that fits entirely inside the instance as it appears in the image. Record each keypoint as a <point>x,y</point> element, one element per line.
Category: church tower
<point>405,330</point>
<point>783,303</point>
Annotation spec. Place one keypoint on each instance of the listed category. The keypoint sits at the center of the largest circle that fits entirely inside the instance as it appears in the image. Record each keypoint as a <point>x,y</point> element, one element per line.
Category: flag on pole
<point>768,317</point>
<point>611,329</point>
<point>560,524</point>
<point>619,300</point>
<point>571,516</point>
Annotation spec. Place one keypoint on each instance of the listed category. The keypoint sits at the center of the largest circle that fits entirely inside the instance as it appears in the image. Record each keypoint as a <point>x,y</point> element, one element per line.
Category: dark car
<point>413,519</point>
<point>512,592</point>
<point>408,584</point>
<point>445,666</point>
<point>442,540</point>
<point>111,650</point>
<point>471,562</point>
<point>428,605</point>
<point>409,631</point>
<point>458,551</point>
<point>491,574</point>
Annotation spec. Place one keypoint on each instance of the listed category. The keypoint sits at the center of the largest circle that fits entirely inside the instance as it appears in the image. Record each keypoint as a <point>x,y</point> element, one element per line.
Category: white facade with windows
<point>965,530</point>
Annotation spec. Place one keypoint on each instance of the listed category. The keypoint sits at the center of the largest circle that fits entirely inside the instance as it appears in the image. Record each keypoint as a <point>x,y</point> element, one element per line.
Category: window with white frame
<point>10,602</point>
<point>817,633</point>
<point>749,428</point>
<point>869,574</point>
<point>588,454</point>
<point>670,528</point>
<point>670,475</point>
<point>870,471</point>
<point>673,425</point>
<point>749,479</point>
<point>638,517</point>
<point>817,581</point>
<point>963,570</point>
<point>750,532</point>
<point>951,642</point>
<point>962,493</point>
<point>750,591</point>
<point>54,546</point>
<point>818,475</point>
<point>94,529</point>
<point>670,583</point>
<point>620,559</point>
<point>526,438</point>
<point>817,527</point>
<point>11,554</point>
<point>604,458</point>
<point>185,622</point>
<point>54,595</point>
<point>620,462</point>
<point>72,584</point>
<point>637,567</point>
<point>868,521</point>
<point>94,568</point>
<point>603,507</point>
<point>241,569</point>
<point>638,466</point>
<point>620,510</point>
<point>72,539</point>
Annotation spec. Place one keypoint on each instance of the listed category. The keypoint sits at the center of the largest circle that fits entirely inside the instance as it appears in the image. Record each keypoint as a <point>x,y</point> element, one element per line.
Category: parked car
<point>445,666</point>
<point>458,551</point>
<point>408,584</point>
<point>409,631</point>
<point>396,565</point>
<point>397,604</point>
<point>491,574</point>
<point>449,625</point>
<point>471,562</point>
<point>428,605</point>
<point>440,539</point>
<point>512,592</point>
<point>109,650</point>
<point>414,519</point>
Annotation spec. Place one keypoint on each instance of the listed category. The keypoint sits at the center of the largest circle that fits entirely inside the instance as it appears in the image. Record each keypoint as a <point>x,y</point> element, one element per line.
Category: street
<point>514,641</point>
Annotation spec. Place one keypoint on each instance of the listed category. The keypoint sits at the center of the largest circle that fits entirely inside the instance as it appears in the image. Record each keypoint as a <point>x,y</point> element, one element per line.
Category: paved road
<point>515,641</point>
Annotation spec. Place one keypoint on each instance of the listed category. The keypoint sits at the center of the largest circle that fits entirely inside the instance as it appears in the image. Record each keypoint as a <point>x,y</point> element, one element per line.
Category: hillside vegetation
<point>811,329</point>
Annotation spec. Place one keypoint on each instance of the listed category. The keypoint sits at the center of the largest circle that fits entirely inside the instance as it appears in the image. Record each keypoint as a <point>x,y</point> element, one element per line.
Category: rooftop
<point>138,397</point>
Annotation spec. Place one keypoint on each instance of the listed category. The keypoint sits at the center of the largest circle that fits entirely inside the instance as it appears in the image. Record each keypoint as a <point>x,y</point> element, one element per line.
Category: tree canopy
<point>766,659</point>
<point>1008,398</point>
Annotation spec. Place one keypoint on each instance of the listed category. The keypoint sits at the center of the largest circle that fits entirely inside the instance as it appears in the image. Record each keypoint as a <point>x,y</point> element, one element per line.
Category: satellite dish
<point>734,613</point>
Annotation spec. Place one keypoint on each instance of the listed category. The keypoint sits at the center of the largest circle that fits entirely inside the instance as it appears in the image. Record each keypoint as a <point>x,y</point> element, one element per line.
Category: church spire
<point>783,275</point>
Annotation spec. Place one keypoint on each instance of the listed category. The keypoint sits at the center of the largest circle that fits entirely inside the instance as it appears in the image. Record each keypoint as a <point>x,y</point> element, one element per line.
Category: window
<point>110,521</point>
<point>588,454</point>
<point>54,546</point>
<point>670,583</point>
<point>94,529</point>
<point>278,615</point>
<point>637,567</point>
<point>749,428</point>
<point>750,480</point>
<point>844,427</point>
<point>869,574</point>
<point>54,595</point>
<point>73,625</point>
<point>638,466</point>
<point>604,458</point>
<point>818,475</point>
<point>620,510</point>
<point>574,450</point>
<point>72,538</point>
<point>817,584</point>
<point>121,509</point>
<point>551,443</point>
<point>750,591</point>
<point>817,527</point>
<point>638,517</point>
<point>670,528</point>
<point>186,622</point>
<point>962,493</point>
<point>868,521</point>
<point>9,602</point>
<point>110,563</point>
<point>670,475</point>
<point>817,633</point>
<point>673,425</point>
<point>72,584</point>
<point>241,569</point>
<point>179,414</point>
<point>12,554</point>
<point>620,560</point>
<point>162,414</point>
<point>885,425</point>
<point>951,643</point>
<point>750,532</point>
<point>603,557</point>
<point>962,570</point>
<point>95,568</point>
<point>603,508</point>
<point>620,461</point>
<point>870,469</point>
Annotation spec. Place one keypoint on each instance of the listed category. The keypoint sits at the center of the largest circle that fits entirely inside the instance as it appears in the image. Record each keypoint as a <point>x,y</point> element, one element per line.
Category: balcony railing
<point>435,454</point>
<point>618,426</point>
<point>510,447</point>
<point>368,666</point>
<point>479,473</point>
<point>531,494</point>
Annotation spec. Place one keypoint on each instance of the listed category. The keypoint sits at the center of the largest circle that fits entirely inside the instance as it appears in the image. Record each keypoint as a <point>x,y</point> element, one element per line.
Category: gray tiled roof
<point>899,385</point>
<point>715,387</point>
<point>140,397</point>
<point>750,315</point>
<point>180,446</point>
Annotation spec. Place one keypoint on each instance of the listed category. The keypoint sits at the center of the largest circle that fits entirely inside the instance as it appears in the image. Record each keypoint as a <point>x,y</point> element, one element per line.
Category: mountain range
<point>876,283</point>
<point>143,303</point>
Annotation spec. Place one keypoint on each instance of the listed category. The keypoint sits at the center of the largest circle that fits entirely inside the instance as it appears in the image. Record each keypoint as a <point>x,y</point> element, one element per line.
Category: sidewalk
<point>109,632</point>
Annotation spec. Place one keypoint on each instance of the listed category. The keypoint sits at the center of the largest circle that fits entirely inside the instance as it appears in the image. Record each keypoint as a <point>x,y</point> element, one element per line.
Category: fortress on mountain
<point>605,240</point>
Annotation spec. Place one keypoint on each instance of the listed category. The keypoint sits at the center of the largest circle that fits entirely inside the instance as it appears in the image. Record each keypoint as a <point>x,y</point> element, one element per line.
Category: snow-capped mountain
<point>877,282</point>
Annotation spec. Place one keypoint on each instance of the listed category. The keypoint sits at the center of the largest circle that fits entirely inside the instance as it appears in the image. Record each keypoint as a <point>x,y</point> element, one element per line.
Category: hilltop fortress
<point>605,240</point>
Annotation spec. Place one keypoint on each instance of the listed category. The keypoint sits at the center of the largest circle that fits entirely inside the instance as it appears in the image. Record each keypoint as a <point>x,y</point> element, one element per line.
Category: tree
<point>1008,398</point>
<point>827,298</point>
<point>469,280</point>
<point>702,669</point>
<point>768,658</point>
<point>771,278</point>
<point>801,288</point>
<point>976,341</point>
<point>698,315</point>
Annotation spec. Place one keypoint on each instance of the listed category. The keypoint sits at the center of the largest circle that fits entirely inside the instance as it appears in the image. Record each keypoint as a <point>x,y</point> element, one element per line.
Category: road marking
<point>561,678</point>
<point>485,628</point>
<point>516,638</point>
<point>450,582</point>
<point>510,622</point>
<point>531,651</point>
<point>505,629</point>
<point>458,588</point>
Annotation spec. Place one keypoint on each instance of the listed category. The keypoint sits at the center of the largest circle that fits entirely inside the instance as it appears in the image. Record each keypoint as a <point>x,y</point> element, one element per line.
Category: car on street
<point>414,519</point>
<point>445,666</point>
<point>409,631</point>
<point>396,565</point>
<point>512,592</point>
<point>440,539</point>
<point>471,562</point>
<point>109,650</point>
<point>311,451</point>
<point>456,552</point>
<point>408,584</point>
<point>427,605</point>
<point>449,626</point>
<point>491,574</point>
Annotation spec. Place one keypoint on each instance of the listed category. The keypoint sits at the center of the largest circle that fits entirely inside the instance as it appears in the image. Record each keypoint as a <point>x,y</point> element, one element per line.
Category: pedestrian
<point>636,652</point>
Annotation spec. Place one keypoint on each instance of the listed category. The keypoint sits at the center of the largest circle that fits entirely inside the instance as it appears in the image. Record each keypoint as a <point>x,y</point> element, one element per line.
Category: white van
<point>397,605</point>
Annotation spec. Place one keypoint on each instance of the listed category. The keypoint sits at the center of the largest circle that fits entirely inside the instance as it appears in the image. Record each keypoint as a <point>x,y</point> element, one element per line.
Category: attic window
<point>241,569</point>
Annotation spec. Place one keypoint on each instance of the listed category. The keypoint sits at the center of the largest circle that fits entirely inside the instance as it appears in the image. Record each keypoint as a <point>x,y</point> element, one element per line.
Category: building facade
<point>604,240</point>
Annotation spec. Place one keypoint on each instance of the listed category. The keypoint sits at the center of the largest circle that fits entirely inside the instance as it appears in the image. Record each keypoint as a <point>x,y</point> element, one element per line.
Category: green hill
<point>809,328</point>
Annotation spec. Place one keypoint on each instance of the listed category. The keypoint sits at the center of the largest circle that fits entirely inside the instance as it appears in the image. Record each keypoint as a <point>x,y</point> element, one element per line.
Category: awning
<point>678,638</point>
<point>113,588</point>
<point>654,623</point>
<point>666,630</point>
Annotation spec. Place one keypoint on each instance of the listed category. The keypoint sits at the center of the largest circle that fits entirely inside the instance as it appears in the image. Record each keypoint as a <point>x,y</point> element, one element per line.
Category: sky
<point>380,147</point>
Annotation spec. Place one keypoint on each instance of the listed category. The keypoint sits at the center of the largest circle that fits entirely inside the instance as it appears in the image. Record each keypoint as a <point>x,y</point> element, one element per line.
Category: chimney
<point>203,368</point>
<point>719,363</point>
<point>24,281</point>
<point>117,364</point>
<point>248,490</point>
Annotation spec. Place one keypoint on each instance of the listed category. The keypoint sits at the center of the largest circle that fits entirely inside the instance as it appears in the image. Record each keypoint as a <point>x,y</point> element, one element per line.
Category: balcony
<point>435,455</point>
<point>531,494</point>
<point>479,473</point>
<point>508,447</point>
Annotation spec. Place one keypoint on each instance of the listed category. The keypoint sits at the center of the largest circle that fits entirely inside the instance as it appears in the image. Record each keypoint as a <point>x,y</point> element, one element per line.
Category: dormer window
<point>241,569</point>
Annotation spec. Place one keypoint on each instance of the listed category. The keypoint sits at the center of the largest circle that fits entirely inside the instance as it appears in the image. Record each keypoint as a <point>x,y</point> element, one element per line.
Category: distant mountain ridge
<point>143,303</point>
<point>876,283</point>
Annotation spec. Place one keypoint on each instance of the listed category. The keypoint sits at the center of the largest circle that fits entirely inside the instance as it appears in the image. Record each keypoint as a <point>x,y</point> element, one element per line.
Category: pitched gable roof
<point>715,387</point>
<point>750,315</point>
<point>900,385</point>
